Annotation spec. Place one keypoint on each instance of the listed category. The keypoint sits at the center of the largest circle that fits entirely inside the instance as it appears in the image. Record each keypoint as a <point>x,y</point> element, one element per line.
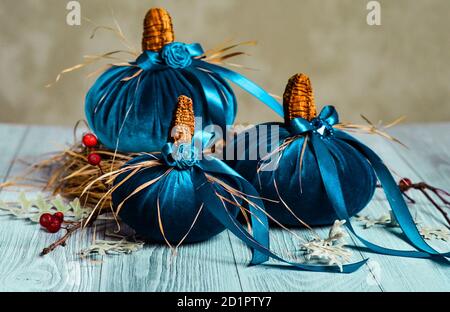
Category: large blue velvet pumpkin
<point>297,182</point>
<point>130,106</point>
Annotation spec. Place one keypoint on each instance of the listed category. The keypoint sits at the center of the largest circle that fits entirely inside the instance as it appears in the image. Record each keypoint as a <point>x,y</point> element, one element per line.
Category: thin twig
<point>444,214</point>
<point>69,232</point>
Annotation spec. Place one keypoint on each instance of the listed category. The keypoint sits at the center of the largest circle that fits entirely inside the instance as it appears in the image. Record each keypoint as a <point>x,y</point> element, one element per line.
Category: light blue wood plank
<point>265,278</point>
<point>395,273</point>
<point>211,265</point>
<point>429,159</point>
<point>21,267</point>
<point>11,139</point>
<point>206,266</point>
<point>428,152</point>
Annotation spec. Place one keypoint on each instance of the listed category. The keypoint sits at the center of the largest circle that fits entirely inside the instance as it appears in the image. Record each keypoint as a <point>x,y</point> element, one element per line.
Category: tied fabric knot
<point>322,127</point>
<point>177,55</point>
<point>322,124</point>
<point>182,156</point>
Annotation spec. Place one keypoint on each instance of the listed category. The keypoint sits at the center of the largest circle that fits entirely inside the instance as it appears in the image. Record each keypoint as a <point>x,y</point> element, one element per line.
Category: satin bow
<point>323,124</point>
<point>322,127</point>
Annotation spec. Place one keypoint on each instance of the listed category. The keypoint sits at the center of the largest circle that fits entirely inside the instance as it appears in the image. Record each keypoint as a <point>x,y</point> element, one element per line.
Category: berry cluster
<point>52,222</point>
<point>90,141</point>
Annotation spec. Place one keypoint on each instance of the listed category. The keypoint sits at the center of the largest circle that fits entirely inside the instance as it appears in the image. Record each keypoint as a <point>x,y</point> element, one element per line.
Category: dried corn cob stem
<point>158,30</point>
<point>184,121</point>
<point>298,99</point>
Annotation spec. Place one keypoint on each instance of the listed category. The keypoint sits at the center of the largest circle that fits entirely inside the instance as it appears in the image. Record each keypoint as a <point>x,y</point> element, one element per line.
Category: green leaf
<point>42,204</point>
<point>24,202</point>
<point>60,205</point>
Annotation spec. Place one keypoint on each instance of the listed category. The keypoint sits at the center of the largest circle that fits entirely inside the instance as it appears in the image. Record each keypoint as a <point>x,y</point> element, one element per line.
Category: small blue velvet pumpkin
<point>297,181</point>
<point>178,201</point>
<point>130,106</point>
<point>169,207</point>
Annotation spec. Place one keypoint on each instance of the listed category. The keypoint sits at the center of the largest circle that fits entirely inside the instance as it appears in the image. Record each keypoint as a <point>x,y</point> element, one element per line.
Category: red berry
<point>54,226</point>
<point>94,159</point>
<point>90,140</point>
<point>405,182</point>
<point>59,215</point>
<point>45,219</point>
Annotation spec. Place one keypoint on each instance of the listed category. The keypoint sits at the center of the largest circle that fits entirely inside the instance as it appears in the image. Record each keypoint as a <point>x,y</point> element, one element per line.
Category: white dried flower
<point>112,247</point>
<point>389,220</point>
<point>330,251</point>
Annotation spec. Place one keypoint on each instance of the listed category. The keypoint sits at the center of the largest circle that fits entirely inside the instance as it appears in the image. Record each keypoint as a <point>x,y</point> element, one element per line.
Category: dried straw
<point>69,173</point>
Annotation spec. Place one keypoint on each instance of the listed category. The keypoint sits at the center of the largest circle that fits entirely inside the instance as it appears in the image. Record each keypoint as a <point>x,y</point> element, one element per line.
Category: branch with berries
<point>405,185</point>
<point>53,223</point>
<point>69,172</point>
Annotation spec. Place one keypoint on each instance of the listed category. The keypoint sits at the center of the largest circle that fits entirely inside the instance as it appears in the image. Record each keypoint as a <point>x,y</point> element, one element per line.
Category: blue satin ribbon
<point>321,131</point>
<point>150,60</point>
<point>258,240</point>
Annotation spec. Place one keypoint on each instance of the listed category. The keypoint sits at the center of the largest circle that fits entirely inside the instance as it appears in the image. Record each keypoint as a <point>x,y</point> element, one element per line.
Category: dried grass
<point>68,173</point>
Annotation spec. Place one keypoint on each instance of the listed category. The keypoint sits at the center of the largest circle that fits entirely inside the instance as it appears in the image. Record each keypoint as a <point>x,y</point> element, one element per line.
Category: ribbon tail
<point>333,189</point>
<point>394,197</point>
<point>219,210</point>
<point>259,242</point>
<point>244,83</point>
<point>212,96</point>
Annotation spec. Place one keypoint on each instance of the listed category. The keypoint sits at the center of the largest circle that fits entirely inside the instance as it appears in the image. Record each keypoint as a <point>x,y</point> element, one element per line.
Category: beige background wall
<point>399,68</point>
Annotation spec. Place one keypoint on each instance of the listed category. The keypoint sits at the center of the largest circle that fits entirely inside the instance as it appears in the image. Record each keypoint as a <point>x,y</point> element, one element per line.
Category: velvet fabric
<point>302,189</point>
<point>178,199</point>
<point>180,192</point>
<point>136,115</point>
<point>130,107</point>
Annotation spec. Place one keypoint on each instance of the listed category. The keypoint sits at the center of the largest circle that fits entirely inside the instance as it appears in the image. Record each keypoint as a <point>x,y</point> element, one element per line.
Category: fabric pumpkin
<point>324,173</point>
<point>130,106</point>
<point>297,182</point>
<point>185,195</point>
<point>178,202</point>
<point>301,187</point>
<point>169,208</point>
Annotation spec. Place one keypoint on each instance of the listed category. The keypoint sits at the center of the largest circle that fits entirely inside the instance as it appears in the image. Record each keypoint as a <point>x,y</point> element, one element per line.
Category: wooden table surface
<point>220,264</point>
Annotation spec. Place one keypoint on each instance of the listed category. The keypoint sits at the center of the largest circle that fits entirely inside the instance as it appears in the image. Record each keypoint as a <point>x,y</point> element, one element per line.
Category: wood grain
<point>271,279</point>
<point>206,266</point>
<point>22,269</point>
<point>396,273</point>
<point>221,264</point>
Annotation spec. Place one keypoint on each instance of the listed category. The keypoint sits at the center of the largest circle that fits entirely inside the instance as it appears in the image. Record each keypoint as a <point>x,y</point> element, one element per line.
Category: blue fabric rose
<point>176,55</point>
<point>182,156</point>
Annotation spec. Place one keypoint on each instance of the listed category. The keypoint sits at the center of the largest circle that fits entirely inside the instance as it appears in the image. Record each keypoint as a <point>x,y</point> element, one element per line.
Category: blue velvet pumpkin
<point>297,180</point>
<point>161,200</point>
<point>178,201</point>
<point>130,106</point>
